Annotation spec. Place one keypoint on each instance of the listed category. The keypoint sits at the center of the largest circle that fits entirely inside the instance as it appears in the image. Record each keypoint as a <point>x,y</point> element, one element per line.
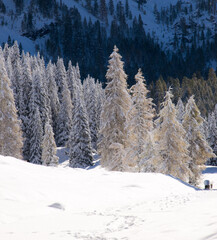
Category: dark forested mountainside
<point>169,39</point>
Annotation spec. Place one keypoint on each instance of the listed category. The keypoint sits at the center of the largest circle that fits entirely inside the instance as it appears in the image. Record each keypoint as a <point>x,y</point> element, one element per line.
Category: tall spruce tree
<point>199,149</point>
<point>16,77</point>
<point>24,101</point>
<point>140,150</point>
<point>100,93</point>
<point>79,144</point>
<point>60,76</point>
<point>49,147</point>
<point>114,114</point>
<point>71,79</point>
<point>172,146</point>
<point>35,133</point>
<point>10,131</point>
<point>90,98</point>
<point>41,96</point>
<point>53,95</point>
<point>65,116</point>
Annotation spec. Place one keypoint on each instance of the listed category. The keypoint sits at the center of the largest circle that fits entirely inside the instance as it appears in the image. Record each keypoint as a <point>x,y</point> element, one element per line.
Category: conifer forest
<point>48,106</point>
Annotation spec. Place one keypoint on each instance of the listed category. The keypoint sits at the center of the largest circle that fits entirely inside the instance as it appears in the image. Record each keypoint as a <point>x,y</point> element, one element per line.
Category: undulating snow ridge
<point>38,202</point>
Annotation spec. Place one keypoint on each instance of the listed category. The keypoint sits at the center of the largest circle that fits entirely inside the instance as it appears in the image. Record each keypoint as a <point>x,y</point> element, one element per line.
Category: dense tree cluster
<point>51,107</point>
<point>130,140</point>
<point>55,108</point>
<point>203,89</point>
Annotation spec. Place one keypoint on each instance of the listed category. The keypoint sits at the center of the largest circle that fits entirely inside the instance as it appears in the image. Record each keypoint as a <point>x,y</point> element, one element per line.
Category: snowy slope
<point>28,45</point>
<point>161,32</point>
<point>38,202</point>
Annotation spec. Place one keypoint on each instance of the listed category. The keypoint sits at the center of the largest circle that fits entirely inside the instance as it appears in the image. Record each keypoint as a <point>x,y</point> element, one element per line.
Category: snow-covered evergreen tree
<point>205,129</point>
<point>79,144</point>
<point>71,80</point>
<point>16,77</point>
<point>199,149</point>
<point>24,100</point>
<point>53,96</point>
<point>36,134</point>
<point>9,67</point>
<point>65,117</point>
<point>209,129</point>
<point>49,148</point>
<point>172,146</point>
<point>35,126</point>
<point>180,110</point>
<point>10,130</point>
<point>6,51</point>
<point>90,99</point>
<point>100,93</point>
<point>41,97</point>
<point>140,150</point>
<point>114,113</point>
<point>60,76</point>
<point>212,137</point>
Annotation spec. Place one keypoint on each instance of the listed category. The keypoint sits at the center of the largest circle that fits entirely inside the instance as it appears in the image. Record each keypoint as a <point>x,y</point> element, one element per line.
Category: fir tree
<point>65,117</point>
<point>24,100</point>
<point>90,99</point>
<point>170,135</point>
<point>16,77</point>
<point>140,147</point>
<point>35,126</point>
<point>52,95</point>
<point>41,97</point>
<point>49,148</point>
<point>199,149</point>
<point>60,76</point>
<point>100,93</point>
<point>6,51</point>
<point>11,135</point>
<point>80,151</point>
<point>212,135</point>
<point>71,79</point>
<point>114,113</point>
<point>36,134</point>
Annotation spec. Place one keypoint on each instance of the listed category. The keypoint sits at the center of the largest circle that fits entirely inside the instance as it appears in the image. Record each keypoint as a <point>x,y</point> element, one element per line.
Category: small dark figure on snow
<point>208,184</point>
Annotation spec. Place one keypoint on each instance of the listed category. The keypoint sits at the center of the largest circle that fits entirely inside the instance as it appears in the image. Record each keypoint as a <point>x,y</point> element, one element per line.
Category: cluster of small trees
<point>51,107</point>
<point>130,140</point>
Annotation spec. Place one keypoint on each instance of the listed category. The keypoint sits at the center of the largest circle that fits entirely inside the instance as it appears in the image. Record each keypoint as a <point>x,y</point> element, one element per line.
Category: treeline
<point>204,90</point>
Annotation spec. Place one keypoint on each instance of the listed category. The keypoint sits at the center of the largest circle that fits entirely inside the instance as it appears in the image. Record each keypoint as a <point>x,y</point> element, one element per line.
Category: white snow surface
<point>38,202</point>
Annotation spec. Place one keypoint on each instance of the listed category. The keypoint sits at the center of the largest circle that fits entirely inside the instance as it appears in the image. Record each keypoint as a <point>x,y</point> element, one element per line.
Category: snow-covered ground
<point>46,203</point>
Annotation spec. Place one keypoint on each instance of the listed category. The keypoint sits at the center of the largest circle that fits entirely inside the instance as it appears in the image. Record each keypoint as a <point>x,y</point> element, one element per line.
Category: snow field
<point>38,202</point>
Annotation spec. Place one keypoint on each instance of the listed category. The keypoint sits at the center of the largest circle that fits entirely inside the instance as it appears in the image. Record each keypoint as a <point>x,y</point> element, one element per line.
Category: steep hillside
<point>173,38</point>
